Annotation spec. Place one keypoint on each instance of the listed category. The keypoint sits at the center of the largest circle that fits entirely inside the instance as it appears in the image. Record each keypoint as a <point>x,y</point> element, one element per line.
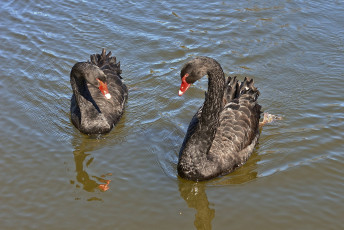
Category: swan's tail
<point>106,62</point>
<point>243,90</point>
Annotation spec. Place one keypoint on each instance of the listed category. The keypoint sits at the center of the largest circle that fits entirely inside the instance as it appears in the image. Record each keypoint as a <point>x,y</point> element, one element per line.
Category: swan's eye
<point>101,78</point>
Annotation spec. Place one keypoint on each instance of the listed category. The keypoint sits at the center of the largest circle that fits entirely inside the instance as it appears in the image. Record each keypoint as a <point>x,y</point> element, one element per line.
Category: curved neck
<point>208,123</point>
<point>213,101</point>
<point>82,94</point>
<point>75,87</point>
<point>78,86</point>
<point>194,162</point>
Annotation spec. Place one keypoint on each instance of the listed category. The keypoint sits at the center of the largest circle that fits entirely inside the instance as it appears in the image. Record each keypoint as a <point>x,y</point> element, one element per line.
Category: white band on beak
<point>108,96</point>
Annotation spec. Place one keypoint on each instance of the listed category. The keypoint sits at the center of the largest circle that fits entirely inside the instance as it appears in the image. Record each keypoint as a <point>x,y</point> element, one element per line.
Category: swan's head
<point>193,71</point>
<point>93,75</point>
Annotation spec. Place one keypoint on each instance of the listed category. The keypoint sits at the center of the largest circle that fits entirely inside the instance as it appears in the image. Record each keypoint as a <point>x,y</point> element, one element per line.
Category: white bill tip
<point>108,96</point>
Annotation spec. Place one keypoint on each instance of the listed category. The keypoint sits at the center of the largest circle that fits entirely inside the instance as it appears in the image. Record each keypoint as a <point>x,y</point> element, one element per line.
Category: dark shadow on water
<point>194,193</point>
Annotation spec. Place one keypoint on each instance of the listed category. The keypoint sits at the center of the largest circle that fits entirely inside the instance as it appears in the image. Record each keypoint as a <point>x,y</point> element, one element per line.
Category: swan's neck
<point>83,96</point>
<point>79,88</point>
<point>194,159</point>
<point>201,140</point>
<point>213,102</point>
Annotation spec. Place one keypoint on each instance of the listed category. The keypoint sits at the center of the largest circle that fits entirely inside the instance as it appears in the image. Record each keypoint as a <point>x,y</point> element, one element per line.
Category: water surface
<point>51,173</point>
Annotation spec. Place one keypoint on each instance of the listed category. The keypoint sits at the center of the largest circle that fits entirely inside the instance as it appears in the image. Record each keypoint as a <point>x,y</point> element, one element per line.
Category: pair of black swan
<point>221,135</point>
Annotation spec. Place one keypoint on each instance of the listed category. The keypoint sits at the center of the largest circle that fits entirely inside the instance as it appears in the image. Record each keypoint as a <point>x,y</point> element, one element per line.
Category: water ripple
<point>293,50</point>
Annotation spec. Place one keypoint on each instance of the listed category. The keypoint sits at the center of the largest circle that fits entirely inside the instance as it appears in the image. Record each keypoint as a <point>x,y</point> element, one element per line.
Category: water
<point>51,173</point>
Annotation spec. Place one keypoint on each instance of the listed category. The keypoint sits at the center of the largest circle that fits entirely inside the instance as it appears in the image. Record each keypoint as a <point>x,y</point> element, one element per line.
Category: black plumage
<point>93,112</point>
<point>224,131</point>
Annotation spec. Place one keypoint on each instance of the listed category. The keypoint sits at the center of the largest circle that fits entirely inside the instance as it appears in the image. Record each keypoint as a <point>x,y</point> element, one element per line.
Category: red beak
<point>104,89</point>
<point>184,86</point>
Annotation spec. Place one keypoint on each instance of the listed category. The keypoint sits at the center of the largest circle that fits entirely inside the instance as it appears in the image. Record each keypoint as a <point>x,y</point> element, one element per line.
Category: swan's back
<point>117,88</point>
<point>236,135</point>
<point>238,131</point>
<point>107,63</point>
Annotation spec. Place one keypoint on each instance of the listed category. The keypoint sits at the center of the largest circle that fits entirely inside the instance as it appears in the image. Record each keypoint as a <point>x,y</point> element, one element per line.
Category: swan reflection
<point>194,193</point>
<point>83,160</point>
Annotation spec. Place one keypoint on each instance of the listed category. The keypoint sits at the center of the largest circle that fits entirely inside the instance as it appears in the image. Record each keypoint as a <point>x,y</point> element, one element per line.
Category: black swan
<point>99,94</point>
<point>224,131</point>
